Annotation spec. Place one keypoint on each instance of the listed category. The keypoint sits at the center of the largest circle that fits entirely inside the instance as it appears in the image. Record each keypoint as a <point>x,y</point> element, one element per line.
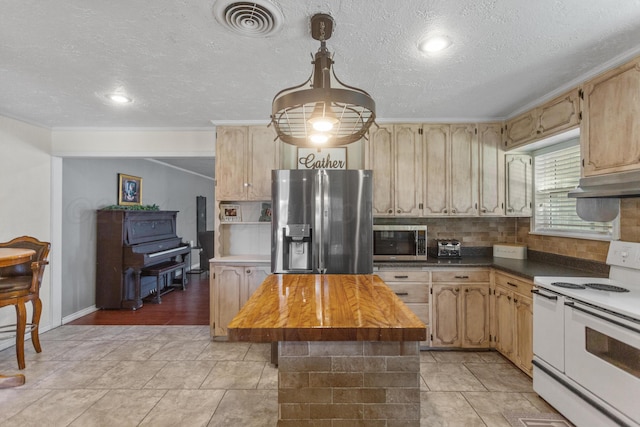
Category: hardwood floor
<point>188,307</point>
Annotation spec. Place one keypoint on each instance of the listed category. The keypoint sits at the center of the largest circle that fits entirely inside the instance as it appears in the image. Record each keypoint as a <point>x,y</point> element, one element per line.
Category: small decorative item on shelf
<point>230,213</point>
<point>265,213</point>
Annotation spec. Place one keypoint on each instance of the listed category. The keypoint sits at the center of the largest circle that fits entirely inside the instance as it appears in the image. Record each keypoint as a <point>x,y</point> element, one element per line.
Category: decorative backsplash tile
<point>485,231</point>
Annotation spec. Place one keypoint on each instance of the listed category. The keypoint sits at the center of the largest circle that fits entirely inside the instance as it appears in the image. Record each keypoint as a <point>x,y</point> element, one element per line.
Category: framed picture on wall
<point>129,190</point>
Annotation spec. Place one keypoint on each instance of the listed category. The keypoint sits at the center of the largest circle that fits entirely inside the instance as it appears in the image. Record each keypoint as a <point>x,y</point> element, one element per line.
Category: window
<point>556,171</point>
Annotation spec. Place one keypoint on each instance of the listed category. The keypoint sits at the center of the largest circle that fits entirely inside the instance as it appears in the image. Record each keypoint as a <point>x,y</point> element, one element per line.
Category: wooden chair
<point>21,283</point>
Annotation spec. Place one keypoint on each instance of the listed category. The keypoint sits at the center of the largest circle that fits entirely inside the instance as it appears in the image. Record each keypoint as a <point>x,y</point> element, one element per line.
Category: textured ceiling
<point>184,70</point>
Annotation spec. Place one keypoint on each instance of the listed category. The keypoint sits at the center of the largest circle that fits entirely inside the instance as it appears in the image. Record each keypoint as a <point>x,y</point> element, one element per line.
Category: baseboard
<point>79,314</point>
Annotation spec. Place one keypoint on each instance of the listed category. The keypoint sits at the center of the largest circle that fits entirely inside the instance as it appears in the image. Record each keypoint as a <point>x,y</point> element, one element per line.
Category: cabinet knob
<point>248,271</point>
<point>445,211</point>
<point>453,211</point>
<point>515,300</point>
<point>484,210</point>
<point>398,211</point>
<point>390,211</point>
<point>466,290</point>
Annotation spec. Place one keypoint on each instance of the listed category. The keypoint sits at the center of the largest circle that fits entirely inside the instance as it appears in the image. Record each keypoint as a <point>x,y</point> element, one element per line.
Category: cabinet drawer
<point>411,292</point>
<point>403,275</point>
<point>461,276</point>
<point>515,284</point>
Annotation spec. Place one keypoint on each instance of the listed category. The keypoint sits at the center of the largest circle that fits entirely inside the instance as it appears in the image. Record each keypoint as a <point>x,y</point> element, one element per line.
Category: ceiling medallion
<point>322,111</point>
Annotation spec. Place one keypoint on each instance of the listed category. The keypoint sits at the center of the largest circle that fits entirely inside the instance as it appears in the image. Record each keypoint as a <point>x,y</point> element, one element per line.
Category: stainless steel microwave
<point>399,242</point>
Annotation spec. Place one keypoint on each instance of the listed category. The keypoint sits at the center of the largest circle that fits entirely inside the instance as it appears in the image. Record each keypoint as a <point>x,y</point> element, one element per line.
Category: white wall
<point>25,198</point>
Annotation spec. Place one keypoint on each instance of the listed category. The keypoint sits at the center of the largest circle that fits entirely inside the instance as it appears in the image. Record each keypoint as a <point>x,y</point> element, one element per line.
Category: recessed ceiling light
<point>118,98</point>
<point>434,44</point>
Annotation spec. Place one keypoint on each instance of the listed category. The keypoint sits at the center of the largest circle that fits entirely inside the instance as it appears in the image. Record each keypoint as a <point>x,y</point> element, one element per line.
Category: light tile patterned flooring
<point>177,376</point>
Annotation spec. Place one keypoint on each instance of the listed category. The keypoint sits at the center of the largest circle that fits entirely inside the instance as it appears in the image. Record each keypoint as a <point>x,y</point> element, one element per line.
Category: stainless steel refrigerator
<point>322,221</point>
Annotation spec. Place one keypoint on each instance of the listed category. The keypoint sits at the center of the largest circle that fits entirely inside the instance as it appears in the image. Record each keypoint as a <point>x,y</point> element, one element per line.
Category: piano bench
<point>162,271</point>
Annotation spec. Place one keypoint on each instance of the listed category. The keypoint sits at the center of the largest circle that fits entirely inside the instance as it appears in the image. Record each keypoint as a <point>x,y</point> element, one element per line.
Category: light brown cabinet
<point>519,185</point>
<point>513,319</point>
<point>491,174</point>
<point>395,156</point>
<point>460,308</point>
<point>451,170</point>
<point>245,156</point>
<point>610,127</point>
<point>555,116</point>
<point>230,288</point>
<point>412,287</point>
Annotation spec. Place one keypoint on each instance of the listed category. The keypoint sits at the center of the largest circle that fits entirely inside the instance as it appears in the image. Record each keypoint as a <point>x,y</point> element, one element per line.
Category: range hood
<point>617,185</point>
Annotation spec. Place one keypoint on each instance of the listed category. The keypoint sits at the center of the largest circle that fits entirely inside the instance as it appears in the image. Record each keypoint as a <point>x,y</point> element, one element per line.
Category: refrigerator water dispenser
<point>297,244</point>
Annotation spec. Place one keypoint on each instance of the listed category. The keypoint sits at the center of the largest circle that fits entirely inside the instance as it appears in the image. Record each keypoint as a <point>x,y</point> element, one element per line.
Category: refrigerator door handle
<point>322,223</point>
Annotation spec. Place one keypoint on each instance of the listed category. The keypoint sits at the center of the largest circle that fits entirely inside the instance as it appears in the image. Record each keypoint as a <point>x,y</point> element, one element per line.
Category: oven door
<point>602,354</point>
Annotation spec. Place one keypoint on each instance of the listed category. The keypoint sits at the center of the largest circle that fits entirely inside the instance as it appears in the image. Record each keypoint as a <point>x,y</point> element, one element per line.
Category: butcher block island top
<point>325,307</point>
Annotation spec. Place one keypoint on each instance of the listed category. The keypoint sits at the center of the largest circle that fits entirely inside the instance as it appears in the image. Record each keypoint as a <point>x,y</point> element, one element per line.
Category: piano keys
<point>128,242</point>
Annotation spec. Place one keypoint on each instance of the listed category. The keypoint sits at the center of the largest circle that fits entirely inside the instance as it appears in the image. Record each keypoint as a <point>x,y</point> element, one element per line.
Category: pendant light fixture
<point>323,111</point>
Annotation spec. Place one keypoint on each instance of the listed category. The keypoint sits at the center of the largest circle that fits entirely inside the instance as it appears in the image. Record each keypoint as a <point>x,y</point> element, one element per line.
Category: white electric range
<point>586,342</point>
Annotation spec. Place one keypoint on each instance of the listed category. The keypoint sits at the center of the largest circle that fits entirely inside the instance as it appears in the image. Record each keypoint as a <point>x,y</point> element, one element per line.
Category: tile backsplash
<point>485,231</point>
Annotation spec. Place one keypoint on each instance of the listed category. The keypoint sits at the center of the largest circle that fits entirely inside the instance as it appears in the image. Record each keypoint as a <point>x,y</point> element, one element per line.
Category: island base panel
<point>352,382</point>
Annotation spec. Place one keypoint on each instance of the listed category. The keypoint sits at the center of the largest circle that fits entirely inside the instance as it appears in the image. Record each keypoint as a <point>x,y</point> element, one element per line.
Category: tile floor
<point>177,376</point>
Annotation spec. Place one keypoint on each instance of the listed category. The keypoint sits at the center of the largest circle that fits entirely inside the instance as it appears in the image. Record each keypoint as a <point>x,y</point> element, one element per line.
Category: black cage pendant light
<point>323,111</point>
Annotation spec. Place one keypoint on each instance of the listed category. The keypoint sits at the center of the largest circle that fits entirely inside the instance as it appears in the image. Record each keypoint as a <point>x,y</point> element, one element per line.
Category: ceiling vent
<point>251,18</point>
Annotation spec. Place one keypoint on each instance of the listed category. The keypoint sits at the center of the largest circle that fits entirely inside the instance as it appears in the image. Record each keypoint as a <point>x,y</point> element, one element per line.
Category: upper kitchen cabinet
<point>557,115</point>
<point>491,175</point>
<point>451,170</point>
<point>395,156</point>
<point>519,178</point>
<point>610,127</point>
<point>245,156</point>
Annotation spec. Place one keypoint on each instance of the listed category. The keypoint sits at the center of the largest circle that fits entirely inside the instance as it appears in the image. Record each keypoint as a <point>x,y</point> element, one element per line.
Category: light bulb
<point>322,124</point>
<point>319,138</point>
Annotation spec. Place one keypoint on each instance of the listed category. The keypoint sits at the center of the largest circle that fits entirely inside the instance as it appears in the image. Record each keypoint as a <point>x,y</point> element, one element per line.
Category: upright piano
<point>129,242</point>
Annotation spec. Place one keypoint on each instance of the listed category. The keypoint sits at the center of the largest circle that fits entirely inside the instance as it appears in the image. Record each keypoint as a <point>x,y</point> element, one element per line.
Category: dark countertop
<point>527,268</point>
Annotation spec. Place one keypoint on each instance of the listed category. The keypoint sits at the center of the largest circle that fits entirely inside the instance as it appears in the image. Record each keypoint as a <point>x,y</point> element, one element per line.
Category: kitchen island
<point>348,348</point>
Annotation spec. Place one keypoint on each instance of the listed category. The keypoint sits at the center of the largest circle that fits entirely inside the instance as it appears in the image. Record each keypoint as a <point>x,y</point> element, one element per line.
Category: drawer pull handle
<point>400,277</point>
<point>512,284</point>
<point>461,277</point>
<point>402,294</point>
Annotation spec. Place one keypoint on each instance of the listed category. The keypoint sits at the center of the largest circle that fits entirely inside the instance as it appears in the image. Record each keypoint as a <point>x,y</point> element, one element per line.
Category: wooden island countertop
<point>329,307</point>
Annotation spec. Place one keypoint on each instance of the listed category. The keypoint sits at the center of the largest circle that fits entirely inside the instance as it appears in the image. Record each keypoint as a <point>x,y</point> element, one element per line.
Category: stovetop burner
<point>605,287</point>
<point>568,285</point>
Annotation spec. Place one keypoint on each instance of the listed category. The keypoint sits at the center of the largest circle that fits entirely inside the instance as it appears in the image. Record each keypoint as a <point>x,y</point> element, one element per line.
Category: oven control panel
<point>624,254</point>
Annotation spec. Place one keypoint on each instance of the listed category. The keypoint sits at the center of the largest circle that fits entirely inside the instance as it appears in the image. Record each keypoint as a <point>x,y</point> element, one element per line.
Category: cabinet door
<point>436,166</point>
<point>408,170</point>
<point>559,114</point>
<point>475,316</point>
<point>254,276</point>
<point>262,157</point>
<point>231,152</point>
<point>521,129</point>
<point>446,317</point>
<point>227,284</point>
<point>381,160</point>
<point>523,332</point>
<point>519,185</point>
<point>504,321</point>
<point>491,165</point>
<point>610,127</point>
<point>463,159</point>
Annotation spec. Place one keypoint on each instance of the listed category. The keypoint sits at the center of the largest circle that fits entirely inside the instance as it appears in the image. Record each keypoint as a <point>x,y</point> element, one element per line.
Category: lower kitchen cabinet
<point>412,287</point>
<point>513,319</point>
<point>460,308</point>
<point>231,287</point>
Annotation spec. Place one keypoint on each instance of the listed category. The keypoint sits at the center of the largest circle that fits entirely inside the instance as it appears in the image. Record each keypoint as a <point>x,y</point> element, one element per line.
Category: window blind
<point>556,172</point>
